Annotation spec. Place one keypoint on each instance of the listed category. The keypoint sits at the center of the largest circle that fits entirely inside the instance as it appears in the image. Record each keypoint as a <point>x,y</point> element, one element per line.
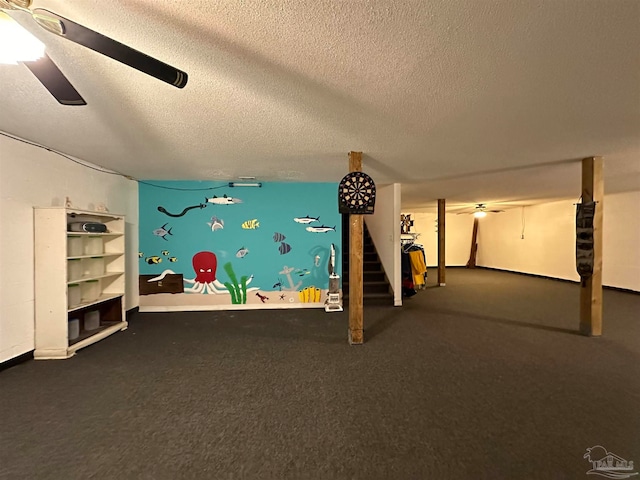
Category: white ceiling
<point>472,101</point>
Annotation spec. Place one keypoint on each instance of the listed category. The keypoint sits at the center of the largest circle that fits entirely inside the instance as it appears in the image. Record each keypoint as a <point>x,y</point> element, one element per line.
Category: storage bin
<point>74,246</point>
<point>74,269</point>
<point>74,328</point>
<point>93,246</point>
<point>74,295</point>
<point>92,267</point>
<point>92,320</point>
<point>90,290</point>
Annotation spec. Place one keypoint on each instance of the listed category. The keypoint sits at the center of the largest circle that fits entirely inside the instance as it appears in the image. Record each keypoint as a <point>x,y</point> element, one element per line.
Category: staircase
<point>376,288</point>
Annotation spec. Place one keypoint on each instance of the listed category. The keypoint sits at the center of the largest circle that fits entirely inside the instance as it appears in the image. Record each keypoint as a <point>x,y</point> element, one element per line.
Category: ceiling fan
<point>54,80</point>
<point>480,210</point>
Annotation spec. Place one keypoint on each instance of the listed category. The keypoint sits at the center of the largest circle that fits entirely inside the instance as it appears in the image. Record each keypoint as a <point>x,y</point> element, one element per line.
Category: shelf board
<point>85,334</point>
<point>94,213</point>
<point>89,234</point>
<point>94,336</point>
<point>86,279</point>
<point>102,299</point>
<point>96,255</point>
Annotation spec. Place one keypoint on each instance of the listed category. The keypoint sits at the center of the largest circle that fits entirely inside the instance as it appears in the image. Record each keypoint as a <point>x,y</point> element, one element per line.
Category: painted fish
<point>153,260</point>
<point>224,200</point>
<point>242,252</point>
<point>165,252</point>
<point>302,272</point>
<point>216,224</point>
<point>173,259</point>
<point>140,254</point>
<point>284,248</point>
<point>321,229</point>
<point>162,232</point>
<point>306,219</point>
<point>251,224</point>
<point>278,237</point>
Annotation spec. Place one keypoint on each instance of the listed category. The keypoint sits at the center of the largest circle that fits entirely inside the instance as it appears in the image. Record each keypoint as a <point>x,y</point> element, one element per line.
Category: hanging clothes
<point>408,289</point>
<point>418,267</point>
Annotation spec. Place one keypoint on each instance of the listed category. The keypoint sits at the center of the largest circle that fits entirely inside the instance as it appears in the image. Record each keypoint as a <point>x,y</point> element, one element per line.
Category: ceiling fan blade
<point>109,47</point>
<point>54,80</point>
<point>15,4</point>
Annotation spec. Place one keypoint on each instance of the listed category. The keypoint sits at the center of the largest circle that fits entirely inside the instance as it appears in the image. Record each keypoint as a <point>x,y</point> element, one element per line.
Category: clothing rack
<point>407,238</point>
<point>414,271</point>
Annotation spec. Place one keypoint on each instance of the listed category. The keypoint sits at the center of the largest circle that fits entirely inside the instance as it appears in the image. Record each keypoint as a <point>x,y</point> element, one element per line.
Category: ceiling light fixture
<point>480,214</point>
<point>241,184</point>
<point>16,43</point>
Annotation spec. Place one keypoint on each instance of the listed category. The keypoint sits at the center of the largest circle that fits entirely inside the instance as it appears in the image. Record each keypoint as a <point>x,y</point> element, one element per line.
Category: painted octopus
<point>205,265</point>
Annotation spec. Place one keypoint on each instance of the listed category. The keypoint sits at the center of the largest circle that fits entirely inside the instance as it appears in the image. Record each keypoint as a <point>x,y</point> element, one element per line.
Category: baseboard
<point>435,267</point>
<point>576,282</point>
<point>12,362</point>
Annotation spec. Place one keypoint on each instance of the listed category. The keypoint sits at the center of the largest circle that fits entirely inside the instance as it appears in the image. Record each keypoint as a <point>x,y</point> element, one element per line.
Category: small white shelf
<point>96,260</point>
<point>101,299</point>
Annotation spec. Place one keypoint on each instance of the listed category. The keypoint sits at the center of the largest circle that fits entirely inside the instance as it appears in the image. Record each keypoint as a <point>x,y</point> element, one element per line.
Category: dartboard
<point>356,194</point>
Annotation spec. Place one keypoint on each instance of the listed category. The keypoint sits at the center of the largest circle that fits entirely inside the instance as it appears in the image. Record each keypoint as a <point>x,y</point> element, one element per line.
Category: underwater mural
<point>266,247</point>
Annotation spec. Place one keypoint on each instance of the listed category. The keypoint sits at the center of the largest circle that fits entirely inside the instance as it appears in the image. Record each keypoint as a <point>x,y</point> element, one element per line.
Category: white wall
<point>458,232</point>
<point>384,228</point>
<point>32,177</point>
<point>548,246</point>
<point>621,243</point>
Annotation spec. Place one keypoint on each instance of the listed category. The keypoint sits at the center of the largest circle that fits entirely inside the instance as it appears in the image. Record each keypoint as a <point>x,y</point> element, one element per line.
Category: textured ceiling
<point>472,101</point>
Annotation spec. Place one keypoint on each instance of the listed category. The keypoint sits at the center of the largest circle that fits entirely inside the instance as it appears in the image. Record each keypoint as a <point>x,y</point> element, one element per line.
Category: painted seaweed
<point>238,291</point>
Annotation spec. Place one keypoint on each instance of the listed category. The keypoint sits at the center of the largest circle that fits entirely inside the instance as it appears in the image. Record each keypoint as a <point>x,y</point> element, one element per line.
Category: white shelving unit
<point>78,277</point>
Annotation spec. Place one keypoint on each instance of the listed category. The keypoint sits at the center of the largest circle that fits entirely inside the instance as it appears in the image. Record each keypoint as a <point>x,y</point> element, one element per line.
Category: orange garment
<point>418,268</point>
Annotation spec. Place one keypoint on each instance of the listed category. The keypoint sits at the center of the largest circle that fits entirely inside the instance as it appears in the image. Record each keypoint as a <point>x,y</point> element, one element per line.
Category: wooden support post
<point>356,265</point>
<point>591,290</point>
<point>441,239</point>
<point>474,245</point>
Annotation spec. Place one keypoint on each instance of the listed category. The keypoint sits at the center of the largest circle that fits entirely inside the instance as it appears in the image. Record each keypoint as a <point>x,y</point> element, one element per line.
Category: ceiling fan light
<point>16,43</point>
<point>480,214</point>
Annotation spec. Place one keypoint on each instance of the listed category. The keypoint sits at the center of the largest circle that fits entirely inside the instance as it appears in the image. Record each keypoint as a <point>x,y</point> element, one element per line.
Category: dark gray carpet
<point>485,378</point>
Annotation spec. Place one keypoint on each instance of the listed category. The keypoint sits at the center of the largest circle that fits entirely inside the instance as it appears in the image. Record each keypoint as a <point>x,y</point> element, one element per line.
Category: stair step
<point>370,257</point>
<point>373,276</point>
<point>368,266</point>
<point>369,287</point>
<point>371,299</point>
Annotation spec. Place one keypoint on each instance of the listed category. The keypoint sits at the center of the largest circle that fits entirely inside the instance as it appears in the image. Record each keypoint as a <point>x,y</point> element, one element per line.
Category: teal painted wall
<point>271,237</point>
